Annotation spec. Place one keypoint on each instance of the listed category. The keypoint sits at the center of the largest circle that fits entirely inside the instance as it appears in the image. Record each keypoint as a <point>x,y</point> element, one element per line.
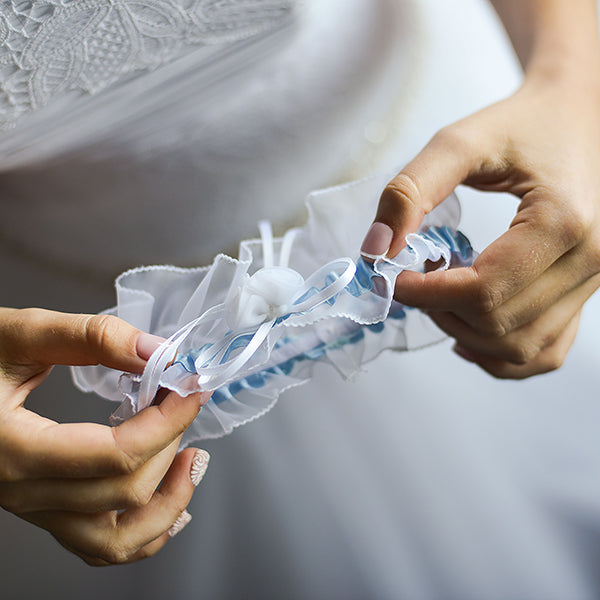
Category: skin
<point>515,312</point>
<point>94,488</point>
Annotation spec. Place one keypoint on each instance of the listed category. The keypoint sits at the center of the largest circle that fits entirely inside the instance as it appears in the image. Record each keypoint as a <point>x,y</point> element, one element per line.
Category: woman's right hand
<point>93,487</point>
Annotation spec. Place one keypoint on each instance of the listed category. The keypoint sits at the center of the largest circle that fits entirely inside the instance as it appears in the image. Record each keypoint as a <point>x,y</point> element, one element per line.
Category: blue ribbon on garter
<point>216,363</point>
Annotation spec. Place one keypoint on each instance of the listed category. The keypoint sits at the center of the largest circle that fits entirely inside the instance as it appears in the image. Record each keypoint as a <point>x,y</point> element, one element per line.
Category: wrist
<point>556,41</point>
<point>554,61</point>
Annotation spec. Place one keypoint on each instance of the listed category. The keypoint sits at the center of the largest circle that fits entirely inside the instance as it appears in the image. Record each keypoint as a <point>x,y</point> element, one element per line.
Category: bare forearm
<point>552,36</point>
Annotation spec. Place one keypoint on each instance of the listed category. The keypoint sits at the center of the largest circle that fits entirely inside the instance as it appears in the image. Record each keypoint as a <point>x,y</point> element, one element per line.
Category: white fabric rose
<point>264,296</point>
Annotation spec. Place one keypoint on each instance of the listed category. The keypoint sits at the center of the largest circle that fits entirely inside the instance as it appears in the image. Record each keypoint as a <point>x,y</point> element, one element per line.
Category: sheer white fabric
<point>251,328</point>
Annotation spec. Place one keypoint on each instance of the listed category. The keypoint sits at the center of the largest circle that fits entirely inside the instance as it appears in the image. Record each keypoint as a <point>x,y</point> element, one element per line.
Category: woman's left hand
<point>516,311</point>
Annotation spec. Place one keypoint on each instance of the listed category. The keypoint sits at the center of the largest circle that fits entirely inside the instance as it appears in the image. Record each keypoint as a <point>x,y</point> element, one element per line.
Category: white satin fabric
<point>213,122</point>
<point>424,478</point>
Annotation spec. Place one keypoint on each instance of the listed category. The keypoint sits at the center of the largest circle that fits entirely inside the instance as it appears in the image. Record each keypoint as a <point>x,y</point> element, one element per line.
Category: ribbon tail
<point>212,378</point>
<point>162,356</point>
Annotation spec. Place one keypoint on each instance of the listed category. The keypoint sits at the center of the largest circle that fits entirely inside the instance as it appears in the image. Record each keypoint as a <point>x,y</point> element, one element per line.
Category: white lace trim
<point>50,47</point>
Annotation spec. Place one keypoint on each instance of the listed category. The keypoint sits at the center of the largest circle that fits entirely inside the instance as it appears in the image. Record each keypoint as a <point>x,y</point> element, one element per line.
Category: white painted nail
<point>199,466</point>
<point>146,344</point>
<point>378,240</point>
<point>182,520</point>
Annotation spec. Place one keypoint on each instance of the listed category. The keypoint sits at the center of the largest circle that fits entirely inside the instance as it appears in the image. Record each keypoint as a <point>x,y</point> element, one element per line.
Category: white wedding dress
<point>161,131</point>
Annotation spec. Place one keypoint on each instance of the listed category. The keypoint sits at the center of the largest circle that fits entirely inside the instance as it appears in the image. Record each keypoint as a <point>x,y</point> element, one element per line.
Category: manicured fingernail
<point>378,240</point>
<point>146,344</point>
<point>182,520</point>
<point>464,353</point>
<point>199,466</point>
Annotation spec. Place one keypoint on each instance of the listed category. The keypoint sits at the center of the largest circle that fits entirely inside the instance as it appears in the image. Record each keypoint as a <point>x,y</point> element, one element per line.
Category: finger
<point>523,344</point>
<point>98,494</point>
<point>118,538</point>
<point>35,337</point>
<point>146,551</point>
<point>536,239</point>
<point>566,278</point>
<point>550,359</point>
<point>445,162</point>
<point>167,504</point>
<point>441,290</point>
<point>89,450</point>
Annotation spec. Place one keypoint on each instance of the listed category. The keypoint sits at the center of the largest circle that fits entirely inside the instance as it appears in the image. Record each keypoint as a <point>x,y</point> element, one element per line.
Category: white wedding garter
<point>250,328</point>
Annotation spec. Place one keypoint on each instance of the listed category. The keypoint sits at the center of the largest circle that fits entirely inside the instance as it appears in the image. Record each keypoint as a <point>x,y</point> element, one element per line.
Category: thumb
<point>445,162</point>
<point>38,338</point>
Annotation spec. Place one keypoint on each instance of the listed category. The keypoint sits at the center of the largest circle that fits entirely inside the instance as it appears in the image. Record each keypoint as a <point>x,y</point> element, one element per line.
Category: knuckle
<point>127,464</point>
<point>453,138</point>
<point>522,353</point>
<point>114,553</point>
<point>404,186</point>
<point>498,369</point>
<point>554,361</point>
<point>177,507</point>
<point>556,364</point>
<point>568,223</point>
<point>115,556</point>
<point>101,329</point>
<point>92,562</point>
<point>498,372</point>
<point>180,505</point>
<point>546,338</point>
<point>575,222</point>
<point>486,297</point>
<point>137,495</point>
<point>403,192</point>
<point>493,324</point>
<point>146,552</point>
<point>124,462</point>
<point>503,370</point>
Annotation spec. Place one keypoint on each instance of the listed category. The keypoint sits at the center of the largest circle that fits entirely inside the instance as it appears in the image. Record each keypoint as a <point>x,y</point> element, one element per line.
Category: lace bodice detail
<point>50,47</point>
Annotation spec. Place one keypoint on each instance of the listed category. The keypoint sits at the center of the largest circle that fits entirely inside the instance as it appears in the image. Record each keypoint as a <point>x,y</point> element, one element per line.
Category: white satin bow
<point>252,308</point>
